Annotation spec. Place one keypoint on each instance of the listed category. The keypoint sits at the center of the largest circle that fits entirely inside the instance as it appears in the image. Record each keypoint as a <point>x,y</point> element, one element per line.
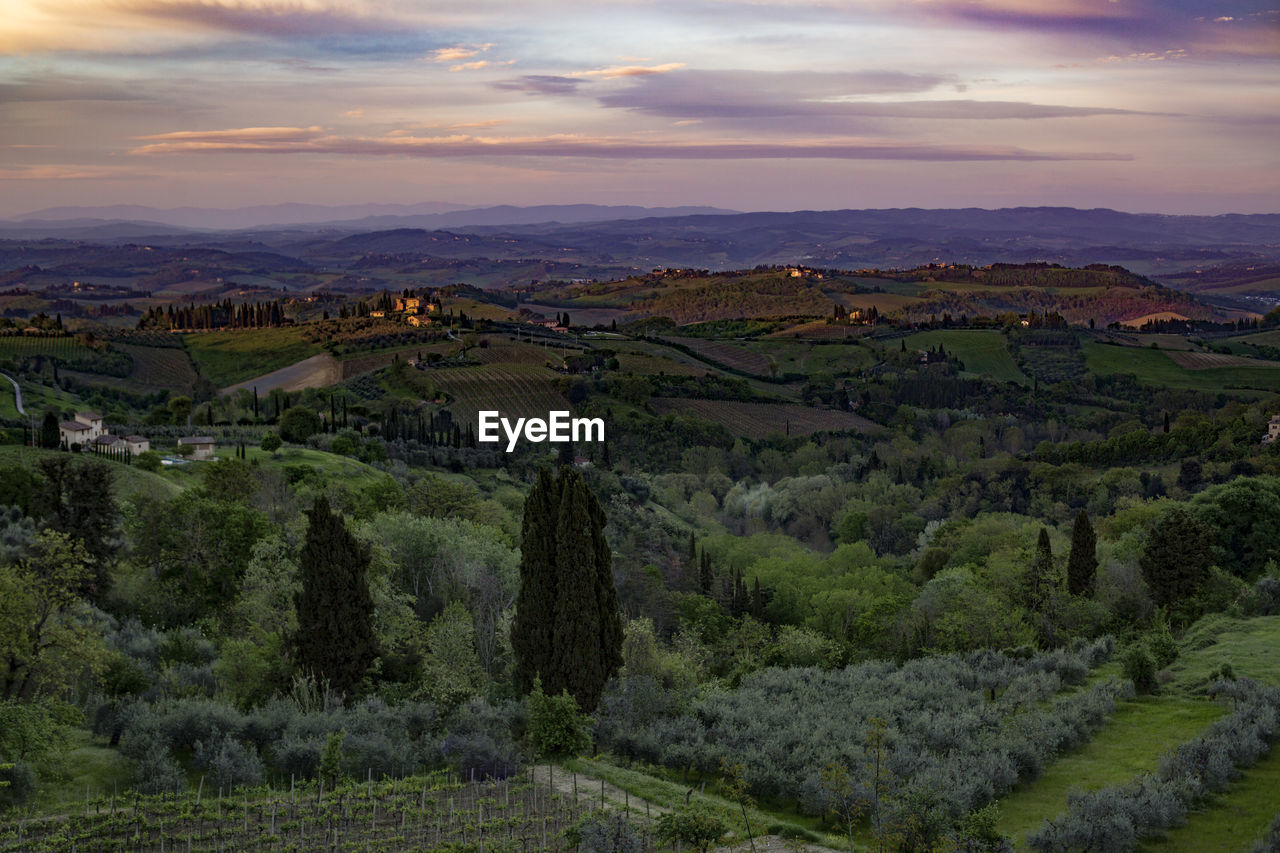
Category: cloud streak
<point>314,141</point>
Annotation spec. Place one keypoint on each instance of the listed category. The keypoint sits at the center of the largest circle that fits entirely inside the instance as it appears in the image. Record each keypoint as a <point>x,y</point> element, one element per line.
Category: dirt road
<point>315,372</point>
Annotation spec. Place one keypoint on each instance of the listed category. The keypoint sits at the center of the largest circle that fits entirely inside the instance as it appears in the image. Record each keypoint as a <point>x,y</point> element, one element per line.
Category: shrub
<point>148,461</point>
<point>271,442</point>
<point>1140,668</point>
<point>695,825</point>
<point>230,762</point>
<point>556,727</point>
<point>605,832</point>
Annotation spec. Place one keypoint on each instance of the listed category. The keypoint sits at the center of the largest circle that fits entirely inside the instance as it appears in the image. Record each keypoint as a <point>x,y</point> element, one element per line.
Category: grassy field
<point>1155,367</point>
<point>225,358</point>
<point>1229,822</point>
<point>758,420</point>
<point>1132,742</point>
<point>982,351</point>
<point>128,479</point>
<point>1144,728</point>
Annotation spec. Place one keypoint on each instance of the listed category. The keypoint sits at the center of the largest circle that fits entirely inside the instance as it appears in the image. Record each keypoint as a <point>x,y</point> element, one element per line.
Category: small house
<point>201,446</point>
<point>137,444</point>
<point>75,432</point>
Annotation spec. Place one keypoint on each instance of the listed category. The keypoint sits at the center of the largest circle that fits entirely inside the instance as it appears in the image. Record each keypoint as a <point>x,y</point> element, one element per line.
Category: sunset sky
<point>1142,105</point>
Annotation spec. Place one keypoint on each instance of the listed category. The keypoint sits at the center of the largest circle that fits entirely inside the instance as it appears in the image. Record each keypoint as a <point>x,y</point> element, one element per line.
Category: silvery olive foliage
<point>956,731</point>
<point>1117,817</point>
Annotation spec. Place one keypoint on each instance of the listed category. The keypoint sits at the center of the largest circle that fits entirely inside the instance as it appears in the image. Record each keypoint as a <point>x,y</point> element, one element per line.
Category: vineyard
<point>516,390</point>
<point>434,812</point>
<point>162,367</point>
<point>63,347</point>
<point>758,420</point>
<point>728,355</point>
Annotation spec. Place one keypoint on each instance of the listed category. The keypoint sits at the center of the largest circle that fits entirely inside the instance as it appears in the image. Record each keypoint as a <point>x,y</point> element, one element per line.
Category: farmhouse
<point>83,430</point>
<point>201,446</point>
<point>1273,430</point>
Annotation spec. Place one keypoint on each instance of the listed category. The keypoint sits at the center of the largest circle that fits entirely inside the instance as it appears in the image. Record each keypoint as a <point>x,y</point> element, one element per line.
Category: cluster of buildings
<point>416,310</point>
<point>90,433</point>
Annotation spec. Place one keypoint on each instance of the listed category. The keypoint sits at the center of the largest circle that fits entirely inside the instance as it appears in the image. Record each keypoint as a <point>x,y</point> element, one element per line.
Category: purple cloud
<point>540,84</point>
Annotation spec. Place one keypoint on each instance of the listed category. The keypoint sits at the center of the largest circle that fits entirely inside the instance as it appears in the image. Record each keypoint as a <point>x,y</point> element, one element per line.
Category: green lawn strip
<point>350,471</point>
<point>8,406</point>
<point>86,765</point>
<point>1138,734</point>
<point>225,358</point>
<point>1230,820</point>
<point>983,351</point>
<point>671,794</point>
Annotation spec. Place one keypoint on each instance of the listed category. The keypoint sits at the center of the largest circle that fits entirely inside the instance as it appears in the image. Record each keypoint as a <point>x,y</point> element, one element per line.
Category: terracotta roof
<point>89,416</point>
<point>196,439</point>
<point>135,438</point>
<point>74,426</point>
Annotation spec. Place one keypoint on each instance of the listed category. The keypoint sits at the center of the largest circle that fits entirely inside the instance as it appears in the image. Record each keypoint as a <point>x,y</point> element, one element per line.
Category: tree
<point>271,442</point>
<point>335,638</point>
<point>1082,563</point>
<point>299,423</point>
<point>46,638</point>
<point>1175,562</point>
<point>180,410</point>
<point>50,435</point>
<point>451,671</point>
<point>77,497</point>
<point>1043,577</point>
<point>557,729</point>
<point>567,627</point>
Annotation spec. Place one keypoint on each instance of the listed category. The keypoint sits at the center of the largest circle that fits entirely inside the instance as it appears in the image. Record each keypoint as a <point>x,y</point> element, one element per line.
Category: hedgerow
<point>1117,817</point>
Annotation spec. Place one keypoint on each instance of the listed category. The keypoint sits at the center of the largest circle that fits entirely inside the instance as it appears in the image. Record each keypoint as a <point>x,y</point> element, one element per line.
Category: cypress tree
<point>567,628</point>
<point>335,638</point>
<point>1042,578</point>
<point>50,436</point>
<point>531,628</point>
<point>1082,563</point>
<point>706,575</point>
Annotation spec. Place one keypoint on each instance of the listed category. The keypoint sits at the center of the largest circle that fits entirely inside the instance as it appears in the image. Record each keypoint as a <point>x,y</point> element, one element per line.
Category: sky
<point>1168,106</point>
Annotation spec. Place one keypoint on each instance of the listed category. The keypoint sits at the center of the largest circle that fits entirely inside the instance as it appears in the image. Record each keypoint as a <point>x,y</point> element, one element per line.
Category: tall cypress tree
<point>1043,577</point>
<point>335,638</point>
<point>567,628</point>
<point>50,435</point>
<point>1082,563</point>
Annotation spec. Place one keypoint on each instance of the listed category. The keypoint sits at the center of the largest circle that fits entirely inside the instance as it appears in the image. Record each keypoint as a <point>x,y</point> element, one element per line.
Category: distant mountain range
<point>486,246</point>
<point>368,217</point>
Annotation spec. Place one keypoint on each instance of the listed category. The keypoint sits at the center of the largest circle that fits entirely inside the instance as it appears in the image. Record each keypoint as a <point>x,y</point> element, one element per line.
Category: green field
<point>128,479</point>
<point>1144,728</point>
<point>225,358</point>
<point>1154,367</point>
<point>1132,742</point>
<point>984,352</point>
<point>64,347</point>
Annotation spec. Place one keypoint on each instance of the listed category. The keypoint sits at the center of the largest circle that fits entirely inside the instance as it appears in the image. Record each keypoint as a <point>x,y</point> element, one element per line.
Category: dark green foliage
<point>299,423</point>
<point>271,442</point>
<point>19,487</point>
<point>1042,579</point>
<point>1082,563</point>
<point>567,627</point>
<point>335,638</point>
<point>1140,668</point>
<point>695,825</point>
<point>557,728</point>
<point>77,498</point>
<point>1176,559</point>
<point>50,436</point>
<point>1243,515</point>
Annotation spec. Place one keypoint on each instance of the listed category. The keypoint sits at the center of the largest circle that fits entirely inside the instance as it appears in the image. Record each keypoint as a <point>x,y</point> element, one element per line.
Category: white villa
<point>84,430</point>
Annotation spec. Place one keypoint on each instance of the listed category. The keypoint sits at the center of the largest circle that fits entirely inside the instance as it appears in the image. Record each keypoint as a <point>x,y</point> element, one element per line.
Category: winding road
<point>17,393</point>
